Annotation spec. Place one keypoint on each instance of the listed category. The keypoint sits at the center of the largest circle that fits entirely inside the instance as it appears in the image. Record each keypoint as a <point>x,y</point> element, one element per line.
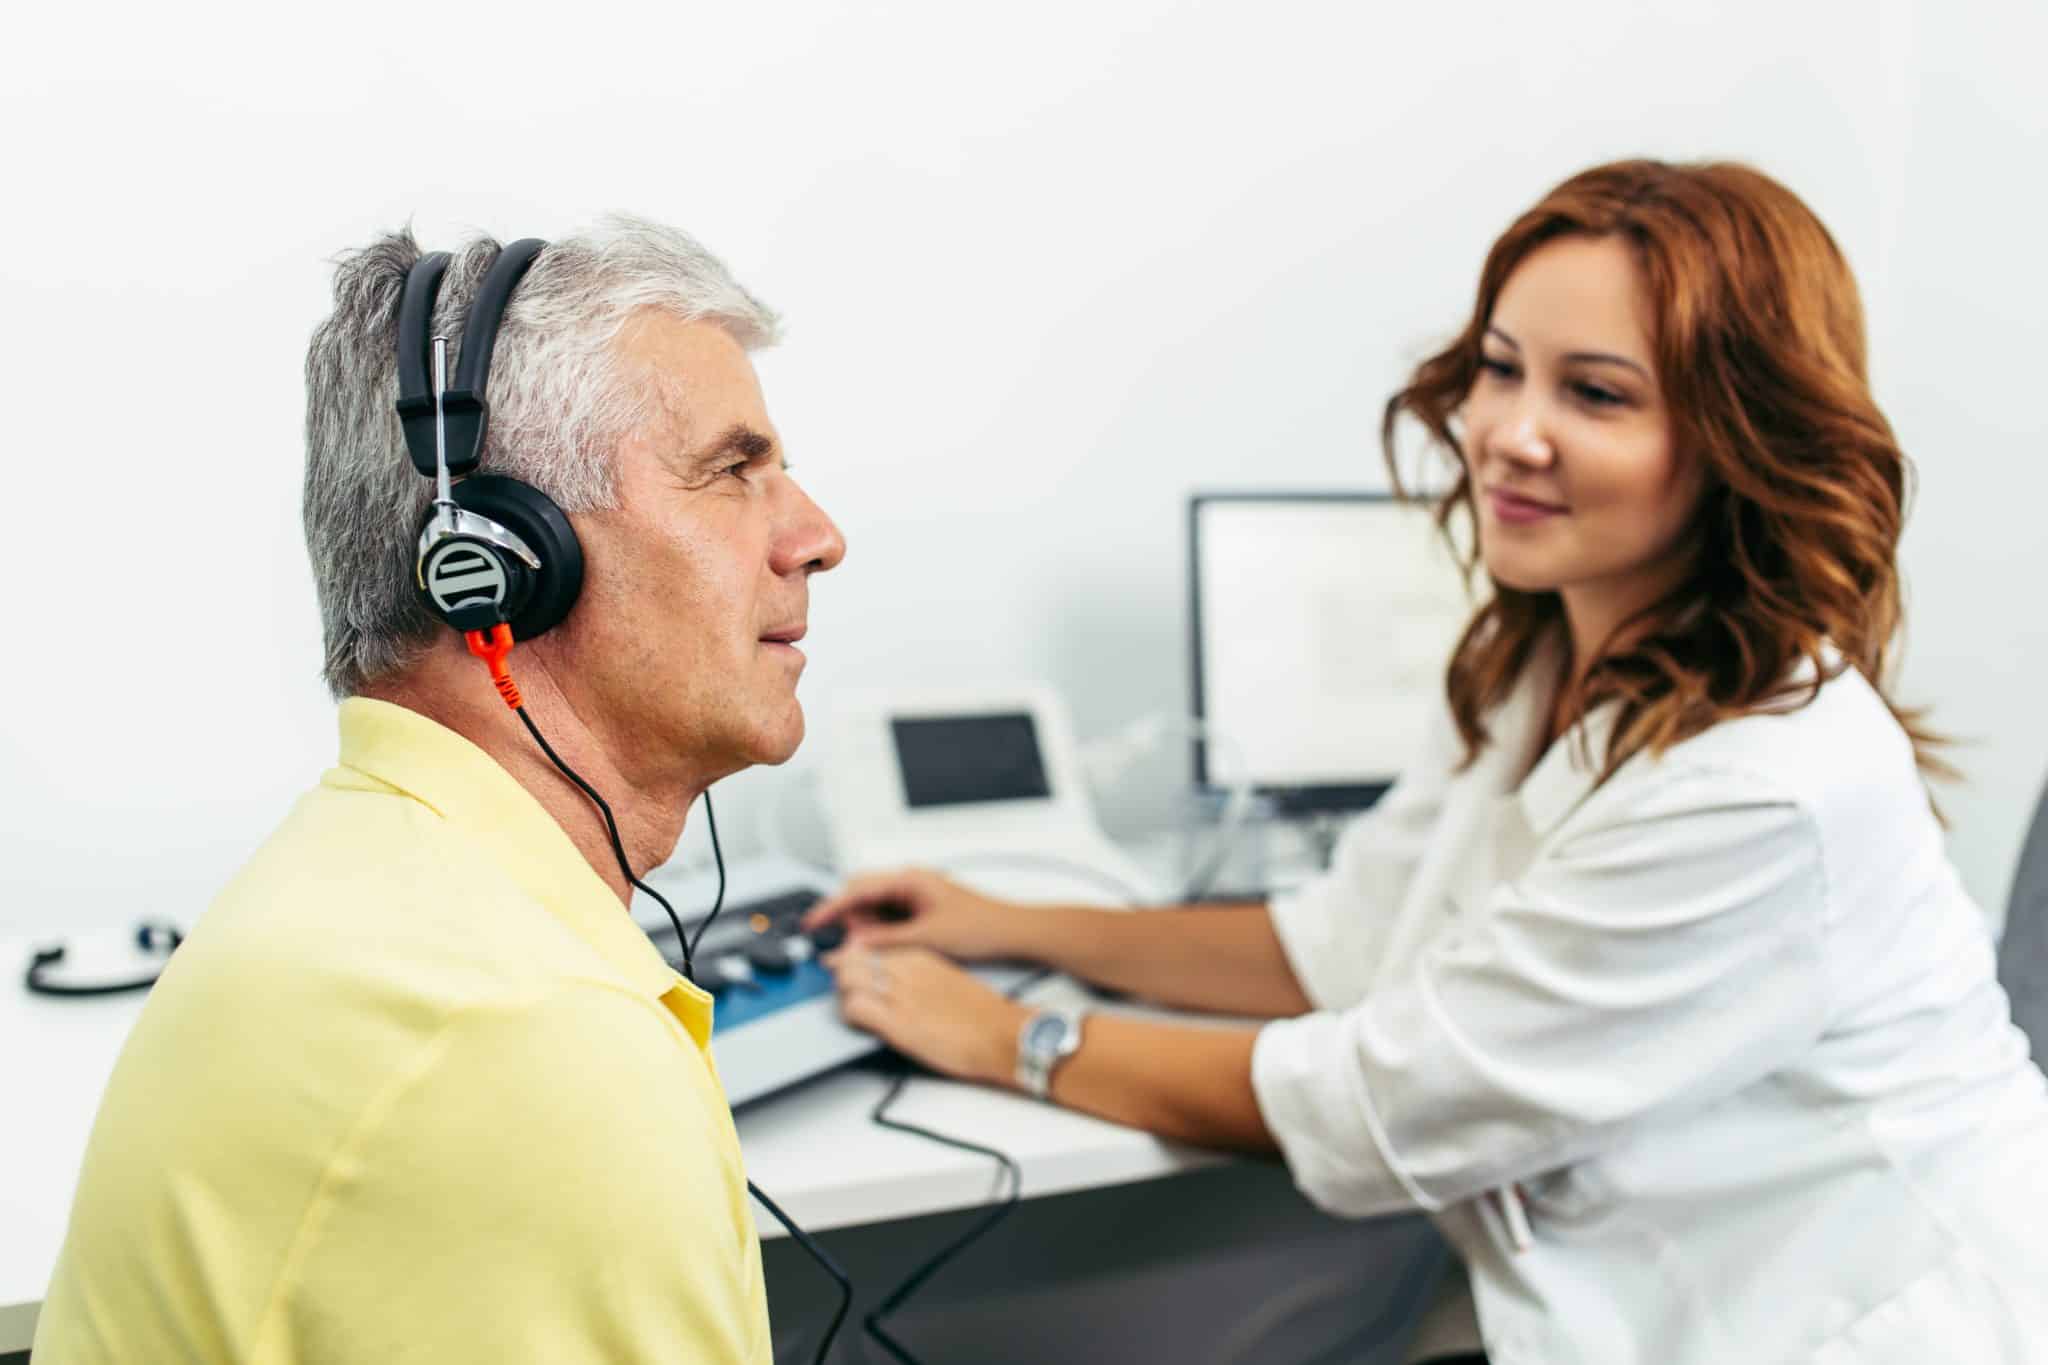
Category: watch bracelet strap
<point>1034,1072</point>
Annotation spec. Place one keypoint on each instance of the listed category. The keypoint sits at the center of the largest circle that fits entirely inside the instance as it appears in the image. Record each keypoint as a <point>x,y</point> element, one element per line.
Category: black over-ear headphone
<point>492,550</point>
<point>149,936</point>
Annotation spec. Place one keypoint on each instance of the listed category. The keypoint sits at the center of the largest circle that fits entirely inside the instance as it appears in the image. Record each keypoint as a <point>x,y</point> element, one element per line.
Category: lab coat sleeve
<point>1666,952</point>
<point>1334,929</point>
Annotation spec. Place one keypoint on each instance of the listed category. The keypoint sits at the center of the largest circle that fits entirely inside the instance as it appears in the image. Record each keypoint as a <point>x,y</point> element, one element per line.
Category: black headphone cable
<point>492,651</point>
<point>717,904</point>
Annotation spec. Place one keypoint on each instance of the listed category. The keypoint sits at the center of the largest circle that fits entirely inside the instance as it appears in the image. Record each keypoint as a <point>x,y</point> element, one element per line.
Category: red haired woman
<point>1652,981</point>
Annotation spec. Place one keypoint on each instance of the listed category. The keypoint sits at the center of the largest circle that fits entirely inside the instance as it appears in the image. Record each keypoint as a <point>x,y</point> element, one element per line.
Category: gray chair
<point>2023,955</point>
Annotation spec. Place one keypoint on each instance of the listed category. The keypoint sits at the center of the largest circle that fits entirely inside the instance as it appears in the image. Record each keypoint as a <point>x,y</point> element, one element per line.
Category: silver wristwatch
<point>1049,1037</point>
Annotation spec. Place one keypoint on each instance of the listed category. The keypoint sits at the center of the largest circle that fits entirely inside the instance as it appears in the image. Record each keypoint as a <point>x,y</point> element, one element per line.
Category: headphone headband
<point>464,410</point>
<point>480,333</point>
<point>492,551</point>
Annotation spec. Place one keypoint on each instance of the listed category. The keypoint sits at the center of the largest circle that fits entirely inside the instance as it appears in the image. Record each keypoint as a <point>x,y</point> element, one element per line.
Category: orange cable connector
<point>493,651</point>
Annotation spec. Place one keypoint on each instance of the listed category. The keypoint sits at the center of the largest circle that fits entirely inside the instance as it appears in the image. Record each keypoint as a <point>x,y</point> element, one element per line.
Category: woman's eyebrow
<point>1606,358</point>
<point>1579,357</point>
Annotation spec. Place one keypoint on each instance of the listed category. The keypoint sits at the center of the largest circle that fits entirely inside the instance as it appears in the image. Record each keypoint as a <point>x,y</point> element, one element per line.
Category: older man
<point>416,1088</point>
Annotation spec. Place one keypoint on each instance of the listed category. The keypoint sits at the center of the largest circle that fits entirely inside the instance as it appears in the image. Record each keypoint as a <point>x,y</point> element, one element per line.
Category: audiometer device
<point>984,785</point>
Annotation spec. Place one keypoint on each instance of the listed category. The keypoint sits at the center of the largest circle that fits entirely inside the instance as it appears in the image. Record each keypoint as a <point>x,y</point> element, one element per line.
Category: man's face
<point>682,648</point>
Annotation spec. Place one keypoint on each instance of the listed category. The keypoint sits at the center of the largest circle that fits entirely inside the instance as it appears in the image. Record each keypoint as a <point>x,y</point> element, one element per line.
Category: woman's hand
<point>930,1010</point>
<point>914,906</point>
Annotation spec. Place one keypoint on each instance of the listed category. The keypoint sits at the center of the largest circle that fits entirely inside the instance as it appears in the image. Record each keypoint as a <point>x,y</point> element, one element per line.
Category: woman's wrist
<point>1000,1040</point>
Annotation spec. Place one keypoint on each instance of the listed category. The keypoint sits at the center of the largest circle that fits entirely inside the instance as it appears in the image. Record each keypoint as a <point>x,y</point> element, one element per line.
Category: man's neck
<point>453,689</point>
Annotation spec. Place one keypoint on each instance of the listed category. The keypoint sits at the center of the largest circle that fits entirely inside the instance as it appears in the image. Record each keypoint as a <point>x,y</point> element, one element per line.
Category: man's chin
<point>777,757</point>
<point>777,745</point>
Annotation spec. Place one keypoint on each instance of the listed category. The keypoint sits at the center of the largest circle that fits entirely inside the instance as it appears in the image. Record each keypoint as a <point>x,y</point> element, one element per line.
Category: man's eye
<point>738,471</point>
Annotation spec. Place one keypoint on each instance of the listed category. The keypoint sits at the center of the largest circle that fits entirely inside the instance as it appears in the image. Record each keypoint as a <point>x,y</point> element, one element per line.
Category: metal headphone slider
<point>454,523</point>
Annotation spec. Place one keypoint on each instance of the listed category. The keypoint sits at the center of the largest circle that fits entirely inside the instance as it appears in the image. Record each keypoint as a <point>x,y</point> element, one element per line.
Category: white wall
<point>1046,269</point>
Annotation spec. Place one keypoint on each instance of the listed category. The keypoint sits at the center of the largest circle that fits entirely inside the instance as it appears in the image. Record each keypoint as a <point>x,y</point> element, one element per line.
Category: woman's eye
<point>1596,395</point>
<point>1504,369</point>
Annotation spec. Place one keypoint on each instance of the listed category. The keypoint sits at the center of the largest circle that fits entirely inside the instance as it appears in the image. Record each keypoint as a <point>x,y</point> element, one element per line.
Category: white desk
<point>814,1151</point>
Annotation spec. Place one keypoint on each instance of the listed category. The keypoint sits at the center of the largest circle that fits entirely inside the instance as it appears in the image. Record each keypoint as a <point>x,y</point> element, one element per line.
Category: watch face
<point>1045,1033</point>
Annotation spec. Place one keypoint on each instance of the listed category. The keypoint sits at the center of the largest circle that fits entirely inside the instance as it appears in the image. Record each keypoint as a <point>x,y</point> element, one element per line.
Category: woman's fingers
<point>864,893</point>
<point>927,1008</point>
<point>866,986</point>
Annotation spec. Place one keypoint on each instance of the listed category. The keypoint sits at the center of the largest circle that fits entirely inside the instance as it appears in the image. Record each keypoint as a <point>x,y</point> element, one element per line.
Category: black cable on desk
<point>872,1322</point>
<point>823,1258</point>
<point>896,1297</point>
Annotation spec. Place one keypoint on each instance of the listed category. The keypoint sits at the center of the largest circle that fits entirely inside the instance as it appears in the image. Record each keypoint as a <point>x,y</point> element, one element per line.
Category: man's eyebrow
<point>1579,357</point>
<point>738,441</point>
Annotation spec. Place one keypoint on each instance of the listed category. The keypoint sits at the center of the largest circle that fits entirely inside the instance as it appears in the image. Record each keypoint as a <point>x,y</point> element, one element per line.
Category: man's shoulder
<point>579,1037</point>
<point>581,1089</point>
<point>564,1161</point>
<point>360,878</point>
<point>374,928</point>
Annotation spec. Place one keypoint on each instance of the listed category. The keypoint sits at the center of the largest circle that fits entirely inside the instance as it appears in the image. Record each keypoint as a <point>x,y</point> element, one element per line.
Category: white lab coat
<point>1726,1026</point>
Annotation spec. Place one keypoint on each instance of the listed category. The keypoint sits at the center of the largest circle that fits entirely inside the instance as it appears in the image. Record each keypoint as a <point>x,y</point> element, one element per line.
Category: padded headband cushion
<point>415,362</point>
<point>464,412</point>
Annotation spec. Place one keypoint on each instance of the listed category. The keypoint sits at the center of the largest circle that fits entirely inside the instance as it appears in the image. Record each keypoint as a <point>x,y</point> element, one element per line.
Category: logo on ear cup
<point>459,572</point>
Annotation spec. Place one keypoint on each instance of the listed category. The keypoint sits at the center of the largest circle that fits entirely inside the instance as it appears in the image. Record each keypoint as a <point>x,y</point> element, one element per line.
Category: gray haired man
<point>416,1088</point>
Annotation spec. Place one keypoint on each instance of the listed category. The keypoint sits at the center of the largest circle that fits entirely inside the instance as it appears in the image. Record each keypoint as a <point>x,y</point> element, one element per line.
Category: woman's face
<point>1568,441</point>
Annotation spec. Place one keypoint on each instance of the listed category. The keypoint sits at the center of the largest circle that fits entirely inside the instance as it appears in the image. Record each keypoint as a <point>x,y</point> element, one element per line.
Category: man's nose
<point>812,542</point>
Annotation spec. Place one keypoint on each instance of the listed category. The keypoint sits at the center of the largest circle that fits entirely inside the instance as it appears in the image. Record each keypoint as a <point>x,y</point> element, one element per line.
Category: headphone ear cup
<point>531,515</point>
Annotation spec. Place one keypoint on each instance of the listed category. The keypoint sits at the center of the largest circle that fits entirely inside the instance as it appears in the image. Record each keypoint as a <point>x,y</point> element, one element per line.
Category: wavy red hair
<point>1759,348</point>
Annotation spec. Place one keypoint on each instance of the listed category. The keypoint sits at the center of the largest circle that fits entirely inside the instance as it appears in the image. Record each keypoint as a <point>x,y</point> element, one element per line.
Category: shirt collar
<point>465,786</point>
<point>1546,786</point>
<point>1568,773</point>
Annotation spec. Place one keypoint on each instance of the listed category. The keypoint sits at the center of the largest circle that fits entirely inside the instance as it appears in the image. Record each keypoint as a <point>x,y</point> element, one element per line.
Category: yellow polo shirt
<point>415,1089</point>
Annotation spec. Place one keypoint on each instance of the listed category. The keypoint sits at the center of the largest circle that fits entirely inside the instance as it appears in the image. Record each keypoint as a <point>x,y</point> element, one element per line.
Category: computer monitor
<point>1321,626</point>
